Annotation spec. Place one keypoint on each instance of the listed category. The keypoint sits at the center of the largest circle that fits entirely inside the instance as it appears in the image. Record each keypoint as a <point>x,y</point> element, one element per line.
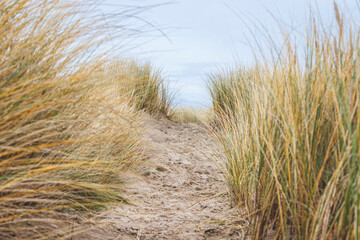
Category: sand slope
<point>180,195</point>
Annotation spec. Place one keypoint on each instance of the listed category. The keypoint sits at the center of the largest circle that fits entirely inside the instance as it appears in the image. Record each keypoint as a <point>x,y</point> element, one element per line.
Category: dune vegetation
<point>68,125</point>
<point>142,85</point>
<point>72,122</point>
<point>191,115</point>
<point>290,130</point>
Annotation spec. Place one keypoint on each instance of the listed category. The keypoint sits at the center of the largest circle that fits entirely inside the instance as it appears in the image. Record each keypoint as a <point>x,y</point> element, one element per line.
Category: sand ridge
<point>180,194</point>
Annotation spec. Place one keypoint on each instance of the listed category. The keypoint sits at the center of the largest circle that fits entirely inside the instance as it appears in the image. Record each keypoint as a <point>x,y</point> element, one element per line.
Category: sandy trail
<point>180,195</point>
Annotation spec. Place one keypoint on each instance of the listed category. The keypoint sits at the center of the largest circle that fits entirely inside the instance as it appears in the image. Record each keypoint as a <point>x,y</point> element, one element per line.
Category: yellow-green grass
<point>291,133</point>
<point>66,133</point>
<point>191,115</point>
<point>142,85</point>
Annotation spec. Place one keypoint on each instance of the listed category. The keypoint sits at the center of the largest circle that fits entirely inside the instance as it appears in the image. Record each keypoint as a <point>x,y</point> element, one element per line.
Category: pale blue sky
<point>205,35</point>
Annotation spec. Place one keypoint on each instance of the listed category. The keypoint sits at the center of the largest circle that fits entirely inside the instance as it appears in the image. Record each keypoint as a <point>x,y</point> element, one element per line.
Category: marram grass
<point>142,85</point>
<point>66,134</point>
<point>191,115</point>
<point>291,135</point>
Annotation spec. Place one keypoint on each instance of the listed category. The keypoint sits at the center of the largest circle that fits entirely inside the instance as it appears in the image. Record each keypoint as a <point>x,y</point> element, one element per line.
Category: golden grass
<point>66,133</point>
<point>290,132</point>
<point>191,115</point>
<point>142,85</point>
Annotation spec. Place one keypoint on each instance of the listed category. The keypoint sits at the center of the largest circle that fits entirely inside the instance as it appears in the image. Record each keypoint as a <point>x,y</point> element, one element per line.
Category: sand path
<point>180,195</point>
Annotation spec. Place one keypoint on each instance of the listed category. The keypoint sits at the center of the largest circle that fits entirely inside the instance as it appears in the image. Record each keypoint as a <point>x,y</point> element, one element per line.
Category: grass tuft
<point>143,86</point>
<point>191,115</point>
<point>66,134</point>
<point>290,133</point>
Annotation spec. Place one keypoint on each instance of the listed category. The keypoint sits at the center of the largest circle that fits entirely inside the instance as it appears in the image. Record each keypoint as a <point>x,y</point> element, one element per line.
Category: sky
<point>189,39</point>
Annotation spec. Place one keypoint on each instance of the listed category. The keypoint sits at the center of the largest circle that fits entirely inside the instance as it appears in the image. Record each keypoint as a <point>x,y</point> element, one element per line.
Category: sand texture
<point>180,193</point>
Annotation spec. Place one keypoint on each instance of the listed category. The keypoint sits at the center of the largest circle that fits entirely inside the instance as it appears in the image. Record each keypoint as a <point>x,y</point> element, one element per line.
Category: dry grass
<point>191,115</point>
<point>290,131</point>
<point>66,134</point>
<point>142,85</point>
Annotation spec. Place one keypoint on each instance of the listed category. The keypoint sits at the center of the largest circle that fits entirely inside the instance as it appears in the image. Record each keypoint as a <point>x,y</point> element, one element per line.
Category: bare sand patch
<point>180,194</point>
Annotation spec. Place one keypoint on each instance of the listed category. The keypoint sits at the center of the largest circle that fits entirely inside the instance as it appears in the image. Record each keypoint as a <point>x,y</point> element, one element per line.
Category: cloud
<point>209,34</point>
